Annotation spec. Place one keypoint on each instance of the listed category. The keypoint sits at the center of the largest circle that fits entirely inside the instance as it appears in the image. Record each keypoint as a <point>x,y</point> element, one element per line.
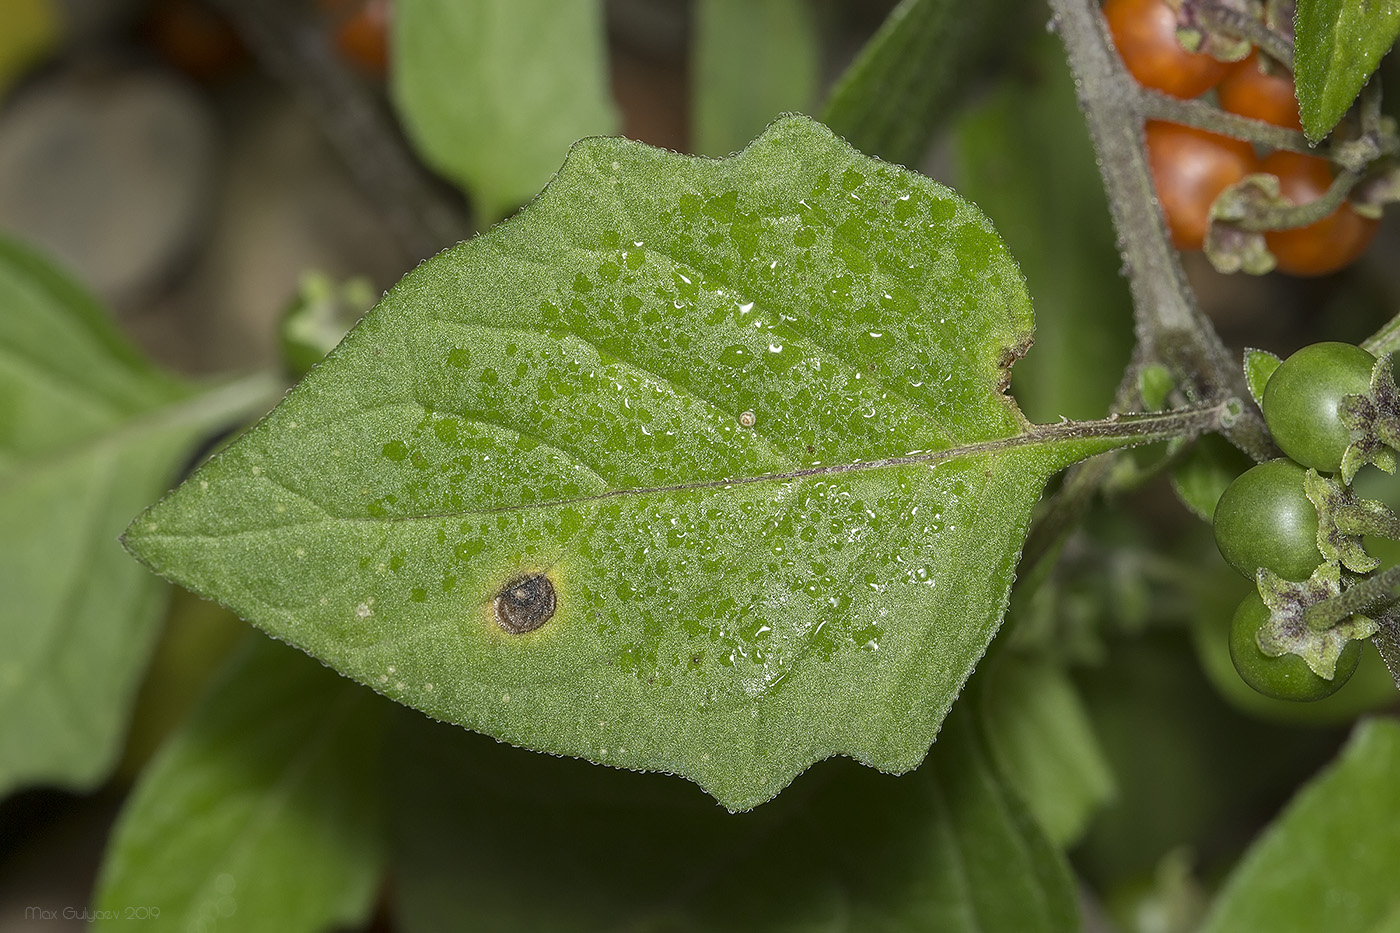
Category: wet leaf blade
<point>686,392</point>
<point>89,431</point>
<point>1339,45</point>
<point>493,94</point>
<point>753,60</point>
<point>1327,861</point>
<point>905,82</point>
<point>262,812</point>
<point>947,848</point>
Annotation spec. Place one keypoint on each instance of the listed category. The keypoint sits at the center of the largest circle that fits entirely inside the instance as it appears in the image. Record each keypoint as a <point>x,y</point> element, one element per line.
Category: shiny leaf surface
<point>1339,44</point>
<point>700,467</point>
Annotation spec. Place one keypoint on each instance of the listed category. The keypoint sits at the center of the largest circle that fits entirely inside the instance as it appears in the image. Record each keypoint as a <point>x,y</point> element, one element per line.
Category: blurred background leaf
<point>907,80</point>
<point>1023,155</point>
<point>1328,861</point>
<point>949,847</point>
<point>263,812</point>
<point>89,432</point>
<point>494,92</point>
<point>753,60</point>
<point>1040,736</point>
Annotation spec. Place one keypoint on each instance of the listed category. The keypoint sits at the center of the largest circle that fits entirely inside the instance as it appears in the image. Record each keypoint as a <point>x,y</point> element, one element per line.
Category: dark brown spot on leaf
<point>1009,356</point>
<point>525,603</point>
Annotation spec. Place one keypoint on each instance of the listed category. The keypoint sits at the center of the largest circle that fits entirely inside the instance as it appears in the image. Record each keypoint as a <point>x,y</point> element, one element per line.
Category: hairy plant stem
<point>1169,324</point>
<point>1265,217</point>
<point>1064,510</point>
<point>1230,21</point>
<point>1386,340</point>
<point>1355,153</point>
<point>1387,641</point>
<point>1363,596</point>
<point>1204,116</point>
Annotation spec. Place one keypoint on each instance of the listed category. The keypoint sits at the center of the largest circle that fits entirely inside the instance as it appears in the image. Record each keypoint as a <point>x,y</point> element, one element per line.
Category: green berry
<point>1264,519</point>
<point>1301,400</point>
<point>1286,677</point>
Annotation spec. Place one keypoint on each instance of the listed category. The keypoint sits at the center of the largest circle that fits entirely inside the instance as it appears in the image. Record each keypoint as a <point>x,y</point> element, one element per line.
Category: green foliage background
<point>1098,757</point>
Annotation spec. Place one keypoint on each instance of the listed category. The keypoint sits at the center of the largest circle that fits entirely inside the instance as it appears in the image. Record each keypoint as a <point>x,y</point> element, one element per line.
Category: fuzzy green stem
<point>1228,21</point>
<point>1204,116</point>
<point>1363,596</point>
<point>1262,217</point>
<point>1386,340</point>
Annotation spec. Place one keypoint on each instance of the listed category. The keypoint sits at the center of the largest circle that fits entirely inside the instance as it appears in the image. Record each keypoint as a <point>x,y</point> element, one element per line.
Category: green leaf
<point>523,842</point>
<point>1041,738</point>
<point>1024,157</point>
<point>1259,365</point>
<point>754,60</point>
<point>493,94</point>
<point>1328,861</point>
<point>1339,44</point>
<point>1204,472</point>
<point>263,812</point>
<point>905,82</point>
<point>89,432</point>
<point>744,417</point>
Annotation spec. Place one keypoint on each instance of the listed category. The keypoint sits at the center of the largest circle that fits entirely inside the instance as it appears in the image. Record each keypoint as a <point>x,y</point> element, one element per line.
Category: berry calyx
<point>1286,677</point>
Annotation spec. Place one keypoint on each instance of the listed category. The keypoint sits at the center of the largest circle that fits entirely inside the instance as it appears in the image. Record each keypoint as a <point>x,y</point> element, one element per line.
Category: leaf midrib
<point>1049,435</point>
<point>604,356</point>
